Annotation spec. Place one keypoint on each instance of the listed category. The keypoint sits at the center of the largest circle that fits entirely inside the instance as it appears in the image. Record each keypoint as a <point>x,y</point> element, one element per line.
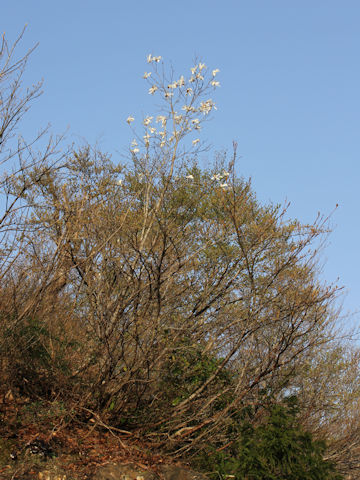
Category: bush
<point>278,448</point>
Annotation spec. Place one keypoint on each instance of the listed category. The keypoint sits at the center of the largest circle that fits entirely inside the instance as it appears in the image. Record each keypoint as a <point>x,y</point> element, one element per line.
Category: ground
<point>40,437</point>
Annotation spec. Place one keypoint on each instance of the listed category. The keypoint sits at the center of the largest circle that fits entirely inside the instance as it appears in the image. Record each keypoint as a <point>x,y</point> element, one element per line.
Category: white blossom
<point>224,185</point>
<point>146,75</point>
<point>147,120</point>
<point>168,94</point>
<point>153,89</point>
<point>189,91</point>
<point>193,69</point>
<point>190,177</point>
<point>135,150</point>
<point>130,119</point>
<point>215,84</point>
<point>216,177</point>
<point>194,142</point>
<point>150,59</point>
<point>181,81</point>
<point>134,143</point>
<point>162,119</point>
<point>201,66</point>
<point>196,124</point>
<point>189,108</point>
<point>152,130</point>
<point>214,72</point>
<point>207,106</point>
<point>146,139</point>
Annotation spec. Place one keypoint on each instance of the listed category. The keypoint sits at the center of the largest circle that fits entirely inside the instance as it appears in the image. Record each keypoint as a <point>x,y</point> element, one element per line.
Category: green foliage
<point>186,369</point>
<point>38,356</point>
<point>276,449</point>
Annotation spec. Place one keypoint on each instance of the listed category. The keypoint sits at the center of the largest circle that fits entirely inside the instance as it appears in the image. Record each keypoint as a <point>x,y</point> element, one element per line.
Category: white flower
<point>150,59</point>
<point>162,144</point>
<point>120,182</point>
<point>168,94</point>
<point>192,79</point>
<point>146,139</point>
<point>162,119</point>
<point>134,143</point>
<point>193,69</point>
<point>152,90</point>
<point>189,91</point>
<point>130,119</point>
<point>146,75</point>
<point>224,185</point>
<point>181,81</point>
<point>135,150</point>
<point>147,120</point>
<point>216,177</point>
<point>225,173</point>
<point>190,177</point>
<point>199,76</point>
<point>214,72</point>
<point>207,106</point>
<point>173,85</point>
<point>215,84</point>
<point>188,108</point>
<point>194,142</point>
<point>178,118</point>
<point>152,130</point>
<point>196,124</point>
<point>201,66</point>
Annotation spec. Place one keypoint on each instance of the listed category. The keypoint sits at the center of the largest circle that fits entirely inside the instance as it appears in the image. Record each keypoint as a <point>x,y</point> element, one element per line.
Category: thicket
<point>160,298</point>
<point>276,448</point>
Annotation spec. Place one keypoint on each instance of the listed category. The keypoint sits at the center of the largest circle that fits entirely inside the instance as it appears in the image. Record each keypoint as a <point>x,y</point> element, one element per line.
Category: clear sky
<point>290,77</point>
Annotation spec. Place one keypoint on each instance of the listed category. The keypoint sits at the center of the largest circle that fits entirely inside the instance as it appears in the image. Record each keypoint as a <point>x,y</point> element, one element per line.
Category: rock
<point>174,472</point>
<point>51,476</point>
<point>123,472</point>
<point>132,472</point>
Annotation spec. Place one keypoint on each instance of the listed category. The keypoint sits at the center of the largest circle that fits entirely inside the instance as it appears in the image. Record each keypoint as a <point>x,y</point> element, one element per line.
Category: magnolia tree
<point>160,297</point>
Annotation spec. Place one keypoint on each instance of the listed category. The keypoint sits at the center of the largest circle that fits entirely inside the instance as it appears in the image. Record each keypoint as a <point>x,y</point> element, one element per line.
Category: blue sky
<point>289,95</point>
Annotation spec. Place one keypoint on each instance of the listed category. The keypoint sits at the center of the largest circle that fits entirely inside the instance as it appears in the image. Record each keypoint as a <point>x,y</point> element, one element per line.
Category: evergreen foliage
<point>276,449</point>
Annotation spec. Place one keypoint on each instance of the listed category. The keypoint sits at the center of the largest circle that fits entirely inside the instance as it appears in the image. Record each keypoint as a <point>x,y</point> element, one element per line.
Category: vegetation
<point>277,448</point>
<point>159,299</point>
